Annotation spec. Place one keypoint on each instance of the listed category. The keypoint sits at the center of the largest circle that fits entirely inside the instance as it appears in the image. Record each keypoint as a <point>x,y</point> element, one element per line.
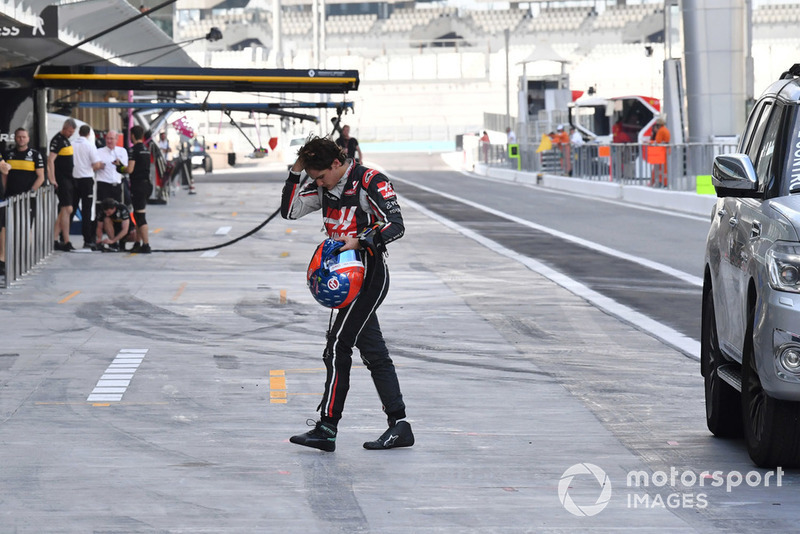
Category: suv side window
<point>752,120</point>
<point>758,132</point>
<point>763,161</point>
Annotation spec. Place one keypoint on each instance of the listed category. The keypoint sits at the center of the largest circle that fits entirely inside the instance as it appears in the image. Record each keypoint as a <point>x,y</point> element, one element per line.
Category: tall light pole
<point>507,34</point>
<point>277,38</point>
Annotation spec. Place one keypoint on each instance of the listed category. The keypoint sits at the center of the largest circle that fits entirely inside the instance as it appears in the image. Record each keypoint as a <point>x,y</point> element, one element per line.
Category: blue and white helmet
<point>334,278</point>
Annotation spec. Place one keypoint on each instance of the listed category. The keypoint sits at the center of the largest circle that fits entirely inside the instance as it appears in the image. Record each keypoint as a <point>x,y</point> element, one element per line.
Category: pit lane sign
<point>46,25</point>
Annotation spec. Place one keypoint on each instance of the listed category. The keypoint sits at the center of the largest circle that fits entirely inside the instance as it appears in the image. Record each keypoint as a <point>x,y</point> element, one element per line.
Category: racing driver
<point>360,209</point>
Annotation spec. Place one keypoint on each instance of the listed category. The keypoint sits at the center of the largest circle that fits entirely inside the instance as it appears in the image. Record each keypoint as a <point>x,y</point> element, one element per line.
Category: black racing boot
<point>397,435</point>
<point>322,437</point>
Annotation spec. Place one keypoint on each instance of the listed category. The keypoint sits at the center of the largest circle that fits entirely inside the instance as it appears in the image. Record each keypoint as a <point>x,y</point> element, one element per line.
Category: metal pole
<point>315,32</point>
<point>277,37</point>
<point>322,33</point>
<point>9,244</point>
<point>748,59</point>
<point>507,35</point>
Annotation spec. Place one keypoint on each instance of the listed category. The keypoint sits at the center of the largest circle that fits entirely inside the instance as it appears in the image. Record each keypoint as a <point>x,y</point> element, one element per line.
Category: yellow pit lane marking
<point>69,297</point>
<point>179,292</point>
<point>277,386</point>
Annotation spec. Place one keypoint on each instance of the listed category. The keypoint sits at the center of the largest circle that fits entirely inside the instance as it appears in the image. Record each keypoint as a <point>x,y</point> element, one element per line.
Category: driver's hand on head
<point>298,166</point>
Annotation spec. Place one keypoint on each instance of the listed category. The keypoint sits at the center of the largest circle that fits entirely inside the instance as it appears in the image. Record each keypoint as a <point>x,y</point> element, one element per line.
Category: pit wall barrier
<point>688,202</point>
<point>28,240</point>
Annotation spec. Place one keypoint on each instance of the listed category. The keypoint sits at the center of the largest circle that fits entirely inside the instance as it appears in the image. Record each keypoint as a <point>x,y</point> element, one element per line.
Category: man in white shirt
<point>163,144</point>
<point>109,180</point>
<point>85,161</point>
<point>575,137</point>
<point>511,136</point>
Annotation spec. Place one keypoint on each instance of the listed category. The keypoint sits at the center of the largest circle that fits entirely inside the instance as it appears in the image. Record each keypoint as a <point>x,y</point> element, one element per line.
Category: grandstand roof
<point>80,20</point>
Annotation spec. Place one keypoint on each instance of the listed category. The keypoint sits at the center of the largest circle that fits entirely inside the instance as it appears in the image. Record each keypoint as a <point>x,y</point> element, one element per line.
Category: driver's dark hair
<point>319,153</point>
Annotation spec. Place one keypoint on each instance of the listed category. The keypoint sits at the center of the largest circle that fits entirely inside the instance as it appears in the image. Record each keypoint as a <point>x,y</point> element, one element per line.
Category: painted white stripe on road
<point>117,377</point>
<point>112,376</point>
<point>104,398</point>
<point>108,390</point>
<point>223,230</point>
<point>668,335</point>
<point>113,383</point>
<point>209,253</point>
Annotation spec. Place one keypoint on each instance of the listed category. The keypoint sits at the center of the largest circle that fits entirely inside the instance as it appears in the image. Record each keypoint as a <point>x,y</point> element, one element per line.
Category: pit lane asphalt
<point>509,380</point>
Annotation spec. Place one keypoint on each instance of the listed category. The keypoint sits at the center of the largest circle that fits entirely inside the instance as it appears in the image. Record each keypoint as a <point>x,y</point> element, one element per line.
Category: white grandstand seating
<point>350,24</point>
<point>616,17</point>
<point>777,14</point>
<point>404,19</point>
<point>497,20</point>
<point>452,87</point>
<point>487,23</point>
<point>560,19</point>
<point>296,22</point>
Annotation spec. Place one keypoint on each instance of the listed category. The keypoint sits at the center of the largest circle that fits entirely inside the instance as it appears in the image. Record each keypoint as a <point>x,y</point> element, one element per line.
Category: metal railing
<point>29,238</point>
<point>674,167</point>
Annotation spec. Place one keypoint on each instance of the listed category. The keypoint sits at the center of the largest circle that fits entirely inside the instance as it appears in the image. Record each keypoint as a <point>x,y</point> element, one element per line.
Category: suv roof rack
<point>792,72</point>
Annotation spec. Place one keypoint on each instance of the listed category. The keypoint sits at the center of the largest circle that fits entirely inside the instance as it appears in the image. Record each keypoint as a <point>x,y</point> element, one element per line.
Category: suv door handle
<point>733,221</point>
<point>755,233</point>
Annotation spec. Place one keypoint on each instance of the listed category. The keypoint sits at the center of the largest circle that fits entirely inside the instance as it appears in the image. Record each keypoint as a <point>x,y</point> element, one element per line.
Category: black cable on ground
<point>231,242</point>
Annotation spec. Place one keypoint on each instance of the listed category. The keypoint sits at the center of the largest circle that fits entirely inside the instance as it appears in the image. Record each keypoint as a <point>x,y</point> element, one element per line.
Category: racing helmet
<point>335,278</point>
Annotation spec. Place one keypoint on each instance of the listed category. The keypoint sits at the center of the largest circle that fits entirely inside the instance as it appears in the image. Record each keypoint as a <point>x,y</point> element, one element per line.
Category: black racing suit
<point>361,199</point>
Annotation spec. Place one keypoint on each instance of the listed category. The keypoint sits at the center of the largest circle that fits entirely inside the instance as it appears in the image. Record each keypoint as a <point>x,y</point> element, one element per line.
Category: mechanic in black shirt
<point>59,168</point>
<point>141,187</point>
<point>350,145</point>
<point>115,220</point>
<point>27,169</point>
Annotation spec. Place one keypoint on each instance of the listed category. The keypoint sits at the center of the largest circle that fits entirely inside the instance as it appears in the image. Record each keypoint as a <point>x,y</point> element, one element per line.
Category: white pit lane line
<point>670,336</point>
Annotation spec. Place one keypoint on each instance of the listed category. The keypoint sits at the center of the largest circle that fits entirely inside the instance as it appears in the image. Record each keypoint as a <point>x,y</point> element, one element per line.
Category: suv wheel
<point>723,405</point>
<point>771,426</point>
<point>208,164</point>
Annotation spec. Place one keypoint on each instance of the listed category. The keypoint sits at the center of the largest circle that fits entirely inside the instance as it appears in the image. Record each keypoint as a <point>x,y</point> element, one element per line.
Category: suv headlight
<point>783,263</point>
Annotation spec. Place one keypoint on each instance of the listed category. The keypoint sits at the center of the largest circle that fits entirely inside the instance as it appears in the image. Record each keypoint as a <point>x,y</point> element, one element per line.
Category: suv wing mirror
<point>733,175</point>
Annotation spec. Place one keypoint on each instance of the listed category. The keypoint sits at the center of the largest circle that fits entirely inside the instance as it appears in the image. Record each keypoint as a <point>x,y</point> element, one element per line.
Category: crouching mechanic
<point>360,209</point>
<point>115,220</point>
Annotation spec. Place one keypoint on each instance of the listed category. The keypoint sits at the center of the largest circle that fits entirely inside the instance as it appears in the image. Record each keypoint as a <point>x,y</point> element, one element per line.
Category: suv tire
<point>771,426</point>
<point>723,403</point>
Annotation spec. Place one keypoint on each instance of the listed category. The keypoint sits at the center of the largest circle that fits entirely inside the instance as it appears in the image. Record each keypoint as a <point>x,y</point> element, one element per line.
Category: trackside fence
<point>674,167</point>
<point>29,238</point>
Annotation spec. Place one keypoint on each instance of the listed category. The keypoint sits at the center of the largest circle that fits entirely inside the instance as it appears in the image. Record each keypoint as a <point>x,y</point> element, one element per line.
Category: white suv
<point>750,350</point>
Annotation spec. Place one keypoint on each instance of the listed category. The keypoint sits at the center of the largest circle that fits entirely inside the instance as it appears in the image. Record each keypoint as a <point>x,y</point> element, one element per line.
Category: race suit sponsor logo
<point>386,190</point>
<point>341,222</point>
<point>368,176</point>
